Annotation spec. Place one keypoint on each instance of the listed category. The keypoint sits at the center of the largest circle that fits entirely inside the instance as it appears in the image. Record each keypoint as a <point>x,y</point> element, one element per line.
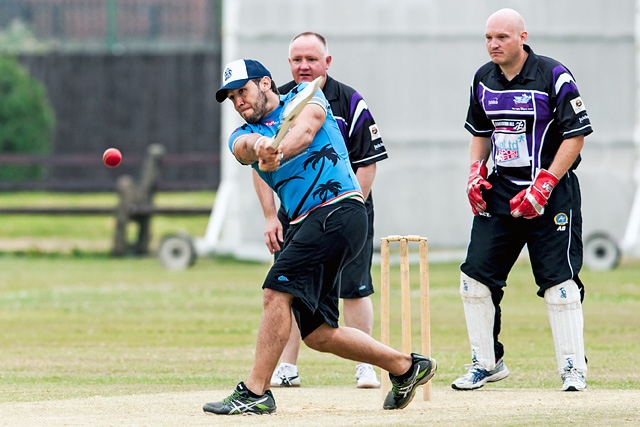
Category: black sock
<point>252,394</point>
<point>406,375</point>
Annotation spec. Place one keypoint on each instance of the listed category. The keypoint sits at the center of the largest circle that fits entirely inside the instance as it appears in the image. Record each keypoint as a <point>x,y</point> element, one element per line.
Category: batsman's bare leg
<point>407,372</point>
<point>273,333</point>
<point>353,344</point>
<point>358,313</point>
<point>286,374</point>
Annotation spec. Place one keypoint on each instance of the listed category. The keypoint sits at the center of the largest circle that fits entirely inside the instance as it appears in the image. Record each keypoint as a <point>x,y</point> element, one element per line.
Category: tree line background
<point>122,74</point>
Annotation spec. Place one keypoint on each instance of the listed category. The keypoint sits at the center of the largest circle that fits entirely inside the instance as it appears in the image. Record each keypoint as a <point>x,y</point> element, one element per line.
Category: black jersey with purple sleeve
<point>357,125</point>
<point>526,118</point>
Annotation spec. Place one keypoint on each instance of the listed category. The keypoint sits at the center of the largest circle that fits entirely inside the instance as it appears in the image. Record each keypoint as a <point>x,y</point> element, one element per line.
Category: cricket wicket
<point>405,295</point>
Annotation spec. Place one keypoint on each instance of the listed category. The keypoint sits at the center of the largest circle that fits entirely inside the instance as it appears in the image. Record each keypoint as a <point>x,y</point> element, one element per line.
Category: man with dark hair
<point>309,58</point>
<point>313,179</point>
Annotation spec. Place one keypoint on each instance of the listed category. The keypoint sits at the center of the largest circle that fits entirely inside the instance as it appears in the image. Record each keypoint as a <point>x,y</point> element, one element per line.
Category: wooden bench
<point>135,211</point>
<point>135,205</point>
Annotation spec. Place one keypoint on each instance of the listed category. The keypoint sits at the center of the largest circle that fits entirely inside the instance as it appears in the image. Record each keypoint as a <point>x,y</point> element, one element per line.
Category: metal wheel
<point>176,251</point>
<point>601,252</point>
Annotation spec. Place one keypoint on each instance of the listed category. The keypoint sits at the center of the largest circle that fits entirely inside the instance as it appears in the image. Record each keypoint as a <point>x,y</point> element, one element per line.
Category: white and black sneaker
<point>403,390</point>
<point>286,375</point>
<point>477,376</point>
<point>366,376</point>
<point>241,402</point>
<point>572,380</point>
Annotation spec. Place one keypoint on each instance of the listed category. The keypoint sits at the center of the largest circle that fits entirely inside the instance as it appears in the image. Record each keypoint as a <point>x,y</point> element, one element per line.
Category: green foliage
<point>17,37</point>
<point>26,119</point>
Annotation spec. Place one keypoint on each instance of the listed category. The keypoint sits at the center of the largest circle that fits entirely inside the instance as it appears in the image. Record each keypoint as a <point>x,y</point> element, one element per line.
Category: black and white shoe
<point>402,392</point>
<point>241,402</point>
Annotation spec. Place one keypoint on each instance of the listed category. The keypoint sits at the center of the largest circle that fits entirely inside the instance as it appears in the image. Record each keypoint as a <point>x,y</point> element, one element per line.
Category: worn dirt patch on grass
<point>340,406</point>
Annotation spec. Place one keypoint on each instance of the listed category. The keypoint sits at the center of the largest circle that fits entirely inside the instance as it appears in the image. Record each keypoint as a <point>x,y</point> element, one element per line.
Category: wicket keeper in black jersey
<point>526,115</point>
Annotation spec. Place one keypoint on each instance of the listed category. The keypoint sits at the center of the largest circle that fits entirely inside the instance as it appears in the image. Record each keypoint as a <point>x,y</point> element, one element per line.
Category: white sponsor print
<point>578,105</point>
<point>522,99</point>
<point>510,149</point>
<point>510,126</point>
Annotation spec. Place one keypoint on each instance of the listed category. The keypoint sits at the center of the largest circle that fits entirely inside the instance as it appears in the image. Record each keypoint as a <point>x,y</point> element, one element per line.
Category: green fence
<point>117,25</point>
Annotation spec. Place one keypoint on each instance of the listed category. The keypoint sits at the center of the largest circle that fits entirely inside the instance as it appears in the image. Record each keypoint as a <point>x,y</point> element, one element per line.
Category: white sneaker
<point>479,376</point>
<point>286,375</point>
<point>572,380</point>
<point>366,376</point>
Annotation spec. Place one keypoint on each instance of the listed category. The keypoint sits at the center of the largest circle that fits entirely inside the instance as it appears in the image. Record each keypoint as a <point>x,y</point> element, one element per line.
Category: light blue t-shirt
<point>318,176</point>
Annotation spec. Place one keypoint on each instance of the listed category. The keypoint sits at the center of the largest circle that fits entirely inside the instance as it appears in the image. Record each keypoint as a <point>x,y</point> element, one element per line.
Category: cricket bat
<point>294,107</point>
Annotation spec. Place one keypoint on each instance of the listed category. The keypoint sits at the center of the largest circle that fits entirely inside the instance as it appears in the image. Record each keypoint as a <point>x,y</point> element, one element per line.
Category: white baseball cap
<point>237,73</point>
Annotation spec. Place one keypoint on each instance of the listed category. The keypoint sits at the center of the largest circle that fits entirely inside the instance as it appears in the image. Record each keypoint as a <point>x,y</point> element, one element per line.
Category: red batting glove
<point>477,182</point>
<point>530,202</point>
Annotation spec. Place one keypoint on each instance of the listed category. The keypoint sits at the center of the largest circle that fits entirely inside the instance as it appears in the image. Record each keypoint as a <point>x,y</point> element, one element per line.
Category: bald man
<point>526,115</point>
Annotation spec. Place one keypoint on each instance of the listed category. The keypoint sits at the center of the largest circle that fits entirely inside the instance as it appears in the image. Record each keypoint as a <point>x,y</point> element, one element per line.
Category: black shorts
<point>310,265</point>
<point>356,277</point>
<point>554,242</point>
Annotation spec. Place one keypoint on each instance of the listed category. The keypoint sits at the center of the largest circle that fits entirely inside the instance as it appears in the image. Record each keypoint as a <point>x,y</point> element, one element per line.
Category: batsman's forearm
<point>303,130</point>
<point>243,148</point>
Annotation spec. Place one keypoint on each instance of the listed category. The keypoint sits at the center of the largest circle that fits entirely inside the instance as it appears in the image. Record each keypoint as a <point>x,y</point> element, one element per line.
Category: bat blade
<point>294,107</point>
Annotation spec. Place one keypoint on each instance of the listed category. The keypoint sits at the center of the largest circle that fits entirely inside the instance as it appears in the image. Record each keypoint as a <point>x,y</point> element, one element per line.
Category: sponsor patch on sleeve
<point>375,133</point>
<point>578,105</point>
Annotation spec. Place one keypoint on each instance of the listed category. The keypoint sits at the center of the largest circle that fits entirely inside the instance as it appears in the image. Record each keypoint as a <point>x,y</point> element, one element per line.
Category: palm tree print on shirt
<point>321,157</point>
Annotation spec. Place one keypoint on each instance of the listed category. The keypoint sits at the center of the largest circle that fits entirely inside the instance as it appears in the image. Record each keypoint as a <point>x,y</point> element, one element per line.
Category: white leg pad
<point>567,325</point>
<point>479,313</point>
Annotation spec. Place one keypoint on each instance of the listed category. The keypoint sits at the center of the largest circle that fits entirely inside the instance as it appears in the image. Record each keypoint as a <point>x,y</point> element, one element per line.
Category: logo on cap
<point>237,73</point>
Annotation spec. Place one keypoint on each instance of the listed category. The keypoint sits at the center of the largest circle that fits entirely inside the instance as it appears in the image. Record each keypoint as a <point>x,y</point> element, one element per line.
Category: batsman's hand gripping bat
<point>294,107</point>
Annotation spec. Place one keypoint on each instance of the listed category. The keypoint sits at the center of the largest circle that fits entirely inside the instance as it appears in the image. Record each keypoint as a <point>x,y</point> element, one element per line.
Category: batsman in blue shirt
<point>311,174</point>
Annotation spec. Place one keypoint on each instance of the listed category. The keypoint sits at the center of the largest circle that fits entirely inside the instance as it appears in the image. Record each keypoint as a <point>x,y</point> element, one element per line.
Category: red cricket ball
<point>112,157</point>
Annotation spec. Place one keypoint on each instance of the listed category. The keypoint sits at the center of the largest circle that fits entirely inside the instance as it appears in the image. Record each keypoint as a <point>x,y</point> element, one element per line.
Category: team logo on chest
<point>522,102</point>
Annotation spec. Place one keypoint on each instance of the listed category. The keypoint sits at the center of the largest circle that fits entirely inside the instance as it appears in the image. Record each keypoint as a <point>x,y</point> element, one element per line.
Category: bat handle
<point>277,139</point>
